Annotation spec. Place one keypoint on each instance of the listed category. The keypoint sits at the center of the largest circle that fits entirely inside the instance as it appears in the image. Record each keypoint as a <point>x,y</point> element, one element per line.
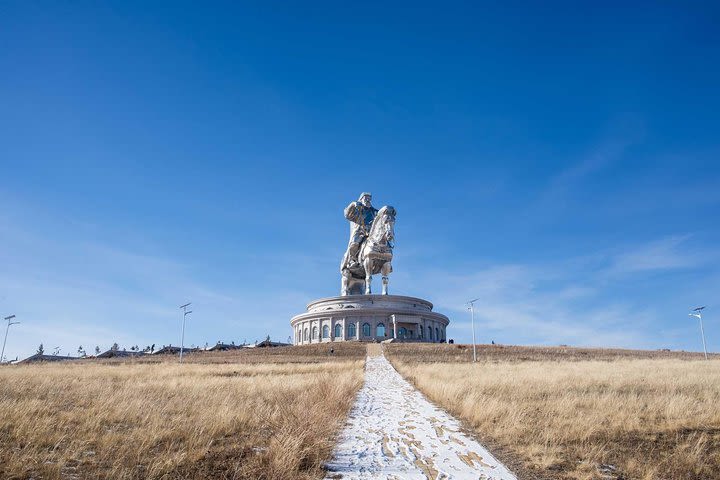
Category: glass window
<point>430,333</point>
<point>351,331</point>
<point>326,331</point>
<point>421,331</point>
<point>402,332</point>
<point>306,335</point>
<point>437,334</point>
<point>338,330</point>
<point>314,333</point>
<point>380,330</point>
<point>366,329</point>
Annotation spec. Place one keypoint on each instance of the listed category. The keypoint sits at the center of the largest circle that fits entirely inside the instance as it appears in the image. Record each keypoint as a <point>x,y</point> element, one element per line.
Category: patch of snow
<point>394,432</point>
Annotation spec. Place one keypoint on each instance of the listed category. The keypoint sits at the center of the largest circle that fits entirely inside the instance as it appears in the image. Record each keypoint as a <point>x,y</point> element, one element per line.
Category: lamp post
<point>698,314</point>
<point>471,306</point>
<point>182,335</point>
<point>2,355</point>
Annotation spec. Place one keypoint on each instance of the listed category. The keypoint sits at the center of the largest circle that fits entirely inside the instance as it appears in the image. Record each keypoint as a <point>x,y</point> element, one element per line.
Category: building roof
<point>268,343</point>
<point>224,346</point>
<point>41,357</point>
<point>119,353</point>
<point>173,349</point>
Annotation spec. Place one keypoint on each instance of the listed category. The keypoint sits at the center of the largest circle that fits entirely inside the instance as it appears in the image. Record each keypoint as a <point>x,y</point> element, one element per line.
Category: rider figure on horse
<point>361,215</point>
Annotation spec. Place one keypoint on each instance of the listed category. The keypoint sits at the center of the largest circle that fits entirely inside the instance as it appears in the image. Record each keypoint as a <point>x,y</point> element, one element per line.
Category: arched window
<point>351,331</point>
<point>430,333</point>
<point>380,330</point>
<point>366,330</point>
<point>326,331</point>
<point>338,330</point>
<point>420,331</point>
<point>402,332</point>
<point>314,333</point>
<point>437,334</point>
<point>305,336</point>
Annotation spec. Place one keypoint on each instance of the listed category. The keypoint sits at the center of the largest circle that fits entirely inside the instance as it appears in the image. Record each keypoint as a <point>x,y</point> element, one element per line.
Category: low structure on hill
<point>267,343</point>
<point>41,357</point>
<point>114,353</point>
<point>221,347</point>
<point>174,350</point>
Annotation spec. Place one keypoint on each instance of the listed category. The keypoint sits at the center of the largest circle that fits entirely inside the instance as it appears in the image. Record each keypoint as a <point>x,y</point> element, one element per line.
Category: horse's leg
<point>386,269</point>
<point>368,276</point>
<point>344,280</point>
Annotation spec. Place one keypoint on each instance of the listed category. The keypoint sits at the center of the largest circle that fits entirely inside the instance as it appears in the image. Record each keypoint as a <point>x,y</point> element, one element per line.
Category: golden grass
<point>137,420</point>
<point>647,418</point>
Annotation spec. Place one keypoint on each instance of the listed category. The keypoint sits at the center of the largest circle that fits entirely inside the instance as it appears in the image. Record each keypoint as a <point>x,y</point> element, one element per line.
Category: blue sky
<point>559,161</point>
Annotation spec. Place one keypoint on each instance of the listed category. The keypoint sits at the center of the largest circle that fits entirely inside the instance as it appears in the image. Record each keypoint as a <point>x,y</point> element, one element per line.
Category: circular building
<point>369,318</point>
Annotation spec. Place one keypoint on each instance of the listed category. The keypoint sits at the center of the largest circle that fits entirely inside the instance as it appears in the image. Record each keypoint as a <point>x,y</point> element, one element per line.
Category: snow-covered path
<point>394,432</point>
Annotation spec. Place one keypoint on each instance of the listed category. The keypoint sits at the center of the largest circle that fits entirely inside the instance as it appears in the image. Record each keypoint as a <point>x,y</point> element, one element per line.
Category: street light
<point>2,355</point>
<point>471,304</point>
<point>698,314</point>
<point>182,336</point>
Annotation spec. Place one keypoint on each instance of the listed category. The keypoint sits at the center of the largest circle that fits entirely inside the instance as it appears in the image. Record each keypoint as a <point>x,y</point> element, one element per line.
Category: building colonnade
<point>360,329</point>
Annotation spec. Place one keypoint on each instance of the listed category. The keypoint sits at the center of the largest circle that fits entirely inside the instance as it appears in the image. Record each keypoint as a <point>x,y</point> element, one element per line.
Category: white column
<point>394,326</point>
<point>357,329</point>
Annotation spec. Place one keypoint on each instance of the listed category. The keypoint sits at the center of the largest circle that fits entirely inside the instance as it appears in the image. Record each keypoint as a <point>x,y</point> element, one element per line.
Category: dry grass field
<point>240,414</point>
<point>563,413</point>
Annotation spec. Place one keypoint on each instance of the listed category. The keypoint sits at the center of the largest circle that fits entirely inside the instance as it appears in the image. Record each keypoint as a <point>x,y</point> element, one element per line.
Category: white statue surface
<point>370,248</point>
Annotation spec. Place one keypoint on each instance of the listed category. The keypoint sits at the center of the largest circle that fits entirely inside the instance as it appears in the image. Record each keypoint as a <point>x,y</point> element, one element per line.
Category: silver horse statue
<point>375,255</point>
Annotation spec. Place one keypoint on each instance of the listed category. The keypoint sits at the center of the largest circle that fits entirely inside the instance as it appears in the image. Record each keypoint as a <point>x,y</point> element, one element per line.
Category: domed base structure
<point>369,318</point>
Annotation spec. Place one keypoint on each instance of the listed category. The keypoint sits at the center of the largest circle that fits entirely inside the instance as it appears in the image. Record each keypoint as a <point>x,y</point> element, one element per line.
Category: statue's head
<point>365,199</point>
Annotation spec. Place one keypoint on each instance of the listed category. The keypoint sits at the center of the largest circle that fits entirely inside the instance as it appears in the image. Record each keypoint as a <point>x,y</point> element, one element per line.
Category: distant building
<point>174,350</point>
<point>268,343</point>
<point>119,354</point>
<point>41,357</point>
<point>221,347</point>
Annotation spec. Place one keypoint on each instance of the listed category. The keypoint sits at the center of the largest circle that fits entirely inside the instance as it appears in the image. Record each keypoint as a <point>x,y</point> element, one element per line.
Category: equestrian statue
<point>369,250</point>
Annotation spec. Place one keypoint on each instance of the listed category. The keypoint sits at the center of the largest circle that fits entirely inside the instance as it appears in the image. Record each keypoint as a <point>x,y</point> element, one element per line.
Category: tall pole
<point>472,323</point>
<point>702,333</point>
<point>2,355</point>
<point>182,335</point>
<point>698,314</point>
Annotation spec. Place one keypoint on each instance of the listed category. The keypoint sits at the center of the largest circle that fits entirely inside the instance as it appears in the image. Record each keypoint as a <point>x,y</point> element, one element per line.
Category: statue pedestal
<point>369,318</point>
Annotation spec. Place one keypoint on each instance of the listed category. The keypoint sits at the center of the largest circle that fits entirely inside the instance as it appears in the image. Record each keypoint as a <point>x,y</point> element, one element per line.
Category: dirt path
<point>394,432</point>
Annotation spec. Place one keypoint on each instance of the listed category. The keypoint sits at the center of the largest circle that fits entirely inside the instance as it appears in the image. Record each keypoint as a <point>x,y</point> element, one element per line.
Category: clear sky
<point>559,161</point>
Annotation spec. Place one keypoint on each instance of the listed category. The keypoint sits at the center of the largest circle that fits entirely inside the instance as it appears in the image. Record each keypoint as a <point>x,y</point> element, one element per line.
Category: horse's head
<point>383,227</point>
